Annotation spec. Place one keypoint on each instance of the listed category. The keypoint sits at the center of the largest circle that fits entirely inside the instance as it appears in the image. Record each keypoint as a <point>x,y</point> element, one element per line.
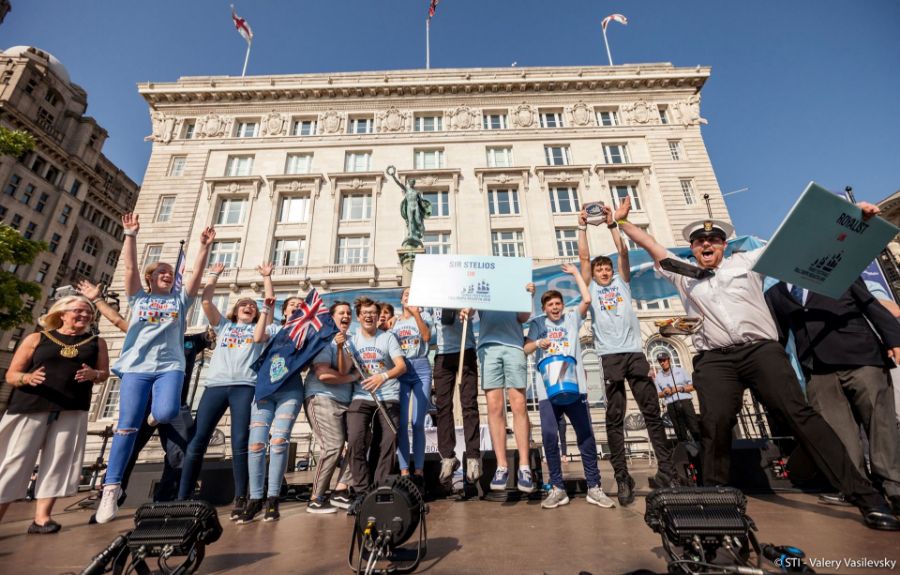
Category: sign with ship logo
<point>480,282</point>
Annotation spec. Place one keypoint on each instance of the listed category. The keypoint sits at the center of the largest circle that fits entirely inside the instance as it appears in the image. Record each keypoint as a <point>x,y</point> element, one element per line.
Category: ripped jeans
<point>275,415</point>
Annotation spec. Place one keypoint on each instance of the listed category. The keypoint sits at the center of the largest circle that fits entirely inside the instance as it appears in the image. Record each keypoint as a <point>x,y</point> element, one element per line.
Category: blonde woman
<point>152,358</point>
<point>52,373</point>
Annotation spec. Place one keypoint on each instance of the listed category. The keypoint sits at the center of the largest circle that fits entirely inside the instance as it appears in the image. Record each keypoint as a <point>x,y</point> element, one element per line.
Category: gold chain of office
<point>68,351</point>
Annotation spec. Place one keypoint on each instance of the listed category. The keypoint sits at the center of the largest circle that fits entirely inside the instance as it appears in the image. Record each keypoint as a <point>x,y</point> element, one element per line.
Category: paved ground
<point>464,537</point>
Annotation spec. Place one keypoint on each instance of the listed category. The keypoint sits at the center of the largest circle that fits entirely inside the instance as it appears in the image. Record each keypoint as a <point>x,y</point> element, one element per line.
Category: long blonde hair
<point>53,318</point>
<point>148,272</point>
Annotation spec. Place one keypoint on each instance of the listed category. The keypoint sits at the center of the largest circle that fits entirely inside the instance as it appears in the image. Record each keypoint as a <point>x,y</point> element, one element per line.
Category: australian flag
<point>302,337</point>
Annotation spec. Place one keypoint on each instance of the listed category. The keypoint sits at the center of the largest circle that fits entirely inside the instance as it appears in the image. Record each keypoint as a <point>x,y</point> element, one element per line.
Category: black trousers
<point>617,367</point>
<point>359,417</point>
<point>444,374</point>
<point>684,419</point>
<point>720,378</point>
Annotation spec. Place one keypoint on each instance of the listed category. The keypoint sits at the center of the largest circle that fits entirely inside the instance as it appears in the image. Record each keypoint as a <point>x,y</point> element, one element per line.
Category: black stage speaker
<point>216,483</point>
<point>434,489</point>
<point>758,465</point>
<point>489,467</point>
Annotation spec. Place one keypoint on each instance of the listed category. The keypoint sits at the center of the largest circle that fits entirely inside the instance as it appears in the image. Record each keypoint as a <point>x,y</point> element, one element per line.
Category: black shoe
<point>341,499</point>
<point>661,480</point>
<point>626,490</point>
<point>837,499</point>
<point>272,513</point>
<point>239,504</point>
<point>876,513</point>
<point>320,505</point>
<point>50,526</point>
<point>895,504</point>
<point>357,503</point>
<point>251,510</point>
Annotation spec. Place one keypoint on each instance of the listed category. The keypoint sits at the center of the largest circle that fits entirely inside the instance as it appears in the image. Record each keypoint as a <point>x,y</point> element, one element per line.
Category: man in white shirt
<point>675,388</point>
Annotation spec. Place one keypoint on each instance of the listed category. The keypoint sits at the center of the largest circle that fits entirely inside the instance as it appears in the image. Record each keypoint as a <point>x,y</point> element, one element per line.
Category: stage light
<point>386,518</point>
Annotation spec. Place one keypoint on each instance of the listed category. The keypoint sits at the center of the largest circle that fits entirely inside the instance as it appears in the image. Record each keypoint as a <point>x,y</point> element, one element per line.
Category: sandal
<point>50,526</point>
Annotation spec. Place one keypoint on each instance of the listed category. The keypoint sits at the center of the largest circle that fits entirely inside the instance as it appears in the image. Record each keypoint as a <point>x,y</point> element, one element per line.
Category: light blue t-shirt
<point>448,337</point>
<point>563,336</point>
<point>411,341</point>
<point>615,324</point>
<point>500,327</point>
<point>235,353</point>
<point>155,338</point>
<point>676,377</point>
<point>375,355</point>
<point>339,392</point>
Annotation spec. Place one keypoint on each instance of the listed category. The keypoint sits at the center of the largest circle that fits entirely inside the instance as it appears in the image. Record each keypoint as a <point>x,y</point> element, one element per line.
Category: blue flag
<point>303,336</point>
<point>179,271</point>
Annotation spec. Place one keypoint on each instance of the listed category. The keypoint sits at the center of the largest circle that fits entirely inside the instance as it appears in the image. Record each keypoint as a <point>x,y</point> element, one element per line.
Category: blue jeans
<point>415,387</point>
<point>275,415</point>
<point>134,394</point>
<point>580,418</point>
<point>215,400</point>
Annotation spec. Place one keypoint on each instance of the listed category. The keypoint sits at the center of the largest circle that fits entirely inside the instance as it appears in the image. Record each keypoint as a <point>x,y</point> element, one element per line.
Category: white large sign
<point>480,282</point>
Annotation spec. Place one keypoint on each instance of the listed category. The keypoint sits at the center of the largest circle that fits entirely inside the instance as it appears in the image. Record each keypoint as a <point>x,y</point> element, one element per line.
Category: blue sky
<point>800,90</point>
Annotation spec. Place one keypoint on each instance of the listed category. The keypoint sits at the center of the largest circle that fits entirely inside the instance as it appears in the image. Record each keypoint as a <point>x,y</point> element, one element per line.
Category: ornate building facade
<point>65,192</point>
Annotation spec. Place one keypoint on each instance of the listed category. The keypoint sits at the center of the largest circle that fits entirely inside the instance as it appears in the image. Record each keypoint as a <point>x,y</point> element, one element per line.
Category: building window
<point>224,253</point>
<point>112,258</point>
<point>90,246</point>
<point>356,206</point>
<point>65,214</point>
<point>429,159</point>
<point>38,165</point>
<point>51,97</point>
<point>42,272</point>
<point>499,157</point>
<point>440,203</point>
<point>105,278</point>
<point>16,222</point>
<point>360,126</point>
<point>557,155</point>
<point>607,118</point>
<point>687,190</point>
<point>675,149</point>
<point>298,164</point>
<point>566,242</point>
<point>632,245</point>
<point>52,175</point>
<point>176,168</point>
<point>3,211</point>
<point>357,161</point>
<point>551,120</point>
<point>45,117</point>
<point>239,166</point>
<point>494,121</point>
<point>27,194</point>
<point>196,317</point>
<point>152,255</point>
<point>503,202</point>
<point>30,86</point>
<point>30,230</point>
<point>657,346</point>
<point>41,203</point>
<point>75,188</point>
<point>437,242</point>
<point>231,211</point>
<point>508,244</point>
<point>12,186</point>
<point>656,305</point>
<point>293,209</point>
<point>247,129</point>
<point>289,252</point>
<point>54,242</point>
<point>619,192</point>
<point>164,209</point>
<point>615,154</point>
<point>353,250</point>
<point>84,269</point>
<point>303,128</point>
<point>663,115</point>
<point>428,124</point>
<point>110,408</point>
<point>188,133</point>
<point>564,200</point>
<point>15,339</point>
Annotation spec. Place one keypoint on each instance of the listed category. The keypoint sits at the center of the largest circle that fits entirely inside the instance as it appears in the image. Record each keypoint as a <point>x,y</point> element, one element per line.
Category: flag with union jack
<point>179,272</point>
<point>307,332</point>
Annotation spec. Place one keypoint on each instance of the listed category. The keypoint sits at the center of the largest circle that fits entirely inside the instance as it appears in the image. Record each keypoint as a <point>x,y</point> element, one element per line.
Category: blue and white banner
<point>480,282</point>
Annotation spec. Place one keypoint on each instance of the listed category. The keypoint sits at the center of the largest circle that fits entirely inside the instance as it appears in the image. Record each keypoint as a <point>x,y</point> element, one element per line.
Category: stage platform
<point>463,537</point>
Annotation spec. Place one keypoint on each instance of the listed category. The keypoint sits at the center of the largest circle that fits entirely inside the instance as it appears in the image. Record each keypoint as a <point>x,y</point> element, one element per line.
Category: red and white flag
<point>242,27</point>
<point>431,8</point>
<point>614,17</point>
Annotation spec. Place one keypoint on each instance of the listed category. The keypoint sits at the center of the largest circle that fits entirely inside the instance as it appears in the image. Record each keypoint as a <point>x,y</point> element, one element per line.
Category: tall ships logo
<point>479,292</point>
<point>820,269</point>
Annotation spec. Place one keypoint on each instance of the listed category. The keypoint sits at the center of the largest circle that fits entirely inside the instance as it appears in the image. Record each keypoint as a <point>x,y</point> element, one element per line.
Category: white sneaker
<point>109,504</point>
<point>555,498</point>
<point>449,465</point>
<point>595,496</point>
<point>473,469</point>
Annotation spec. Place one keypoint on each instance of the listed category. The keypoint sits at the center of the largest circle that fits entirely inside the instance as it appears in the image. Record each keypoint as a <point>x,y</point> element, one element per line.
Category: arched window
<point>91,246</point>
<point>659,344</point>
<point>112,258</point>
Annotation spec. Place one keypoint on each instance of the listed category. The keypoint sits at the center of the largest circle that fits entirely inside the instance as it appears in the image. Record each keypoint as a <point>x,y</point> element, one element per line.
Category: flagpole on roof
<point>246,58</point>
<point>427,43</point>
<point>606,43</point>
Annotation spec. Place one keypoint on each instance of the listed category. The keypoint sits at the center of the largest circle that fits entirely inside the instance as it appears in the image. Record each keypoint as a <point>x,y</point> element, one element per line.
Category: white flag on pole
<point>614,17</point>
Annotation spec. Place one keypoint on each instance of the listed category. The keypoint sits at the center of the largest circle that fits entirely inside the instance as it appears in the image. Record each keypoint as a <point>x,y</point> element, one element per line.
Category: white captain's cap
<point>707,227</point>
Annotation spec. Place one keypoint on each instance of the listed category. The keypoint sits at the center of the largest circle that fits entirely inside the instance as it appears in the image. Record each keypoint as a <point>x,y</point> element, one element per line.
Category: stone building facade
<point>65,192</point>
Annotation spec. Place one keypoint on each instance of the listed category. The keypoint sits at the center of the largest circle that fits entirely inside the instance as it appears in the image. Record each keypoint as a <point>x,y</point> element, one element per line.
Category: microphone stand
<point>378,402</point>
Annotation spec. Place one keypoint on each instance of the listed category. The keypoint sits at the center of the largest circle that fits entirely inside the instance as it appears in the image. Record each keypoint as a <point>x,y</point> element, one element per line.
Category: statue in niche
<point>414,209</point>
<point>162,128</point>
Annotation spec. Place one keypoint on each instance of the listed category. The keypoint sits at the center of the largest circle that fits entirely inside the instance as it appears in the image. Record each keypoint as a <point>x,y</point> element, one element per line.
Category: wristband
<point>582,228</point>
<point>22,379</point>
<point>97,299</point>
<point>131,233</point>
<point>385,376</point>
<point>623,221</point>
<point>264,310</point>
<point>215,274</point>
<point>612,226</point>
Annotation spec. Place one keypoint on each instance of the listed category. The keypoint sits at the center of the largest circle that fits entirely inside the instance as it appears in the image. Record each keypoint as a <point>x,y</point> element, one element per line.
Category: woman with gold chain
<point>52,373</point>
